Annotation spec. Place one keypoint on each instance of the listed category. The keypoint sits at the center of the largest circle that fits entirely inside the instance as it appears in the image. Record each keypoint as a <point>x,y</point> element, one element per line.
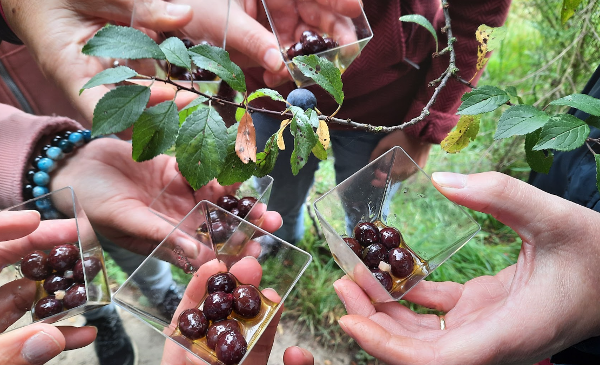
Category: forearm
<point>20,134</point>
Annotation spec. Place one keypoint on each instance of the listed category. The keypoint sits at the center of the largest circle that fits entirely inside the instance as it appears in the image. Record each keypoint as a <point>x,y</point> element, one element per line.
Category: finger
<point>297,356</point>
<point>16,298</point>
<point>349,8</point>
<point>33,344</point>
<point>378,342</point>
<point>17,224</point>
<point>440,296</point>
<point>262,348</point>
<point>354,298</point>
<point>247,271</point>
<point>77,337</point>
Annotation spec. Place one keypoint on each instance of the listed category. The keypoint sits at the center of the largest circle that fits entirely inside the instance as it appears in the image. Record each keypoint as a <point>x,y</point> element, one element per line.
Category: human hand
<point>21,233</point>
<point>247,271</point>
<point>545,296</point>
<point>115,193</point>
<point>55,31</point>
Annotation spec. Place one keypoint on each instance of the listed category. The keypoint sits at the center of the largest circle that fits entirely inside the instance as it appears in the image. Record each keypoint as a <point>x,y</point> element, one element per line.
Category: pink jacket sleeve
<point>19,136</point>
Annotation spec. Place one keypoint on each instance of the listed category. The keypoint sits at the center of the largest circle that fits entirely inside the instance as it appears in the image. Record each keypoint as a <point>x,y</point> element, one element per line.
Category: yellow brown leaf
<point>466,131</point>
<point>323,134</point>
<point>245,142</point>
<point>280,142</point>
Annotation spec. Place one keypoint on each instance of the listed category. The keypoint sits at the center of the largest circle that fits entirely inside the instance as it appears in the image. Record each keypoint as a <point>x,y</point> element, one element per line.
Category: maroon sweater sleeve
<point>466,16</point>
<point>19,136</point>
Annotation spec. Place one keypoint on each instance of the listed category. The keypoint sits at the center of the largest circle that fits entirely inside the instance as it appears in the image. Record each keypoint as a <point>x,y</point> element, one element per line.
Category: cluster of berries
<point>310,43</point>
<point>197,74</point>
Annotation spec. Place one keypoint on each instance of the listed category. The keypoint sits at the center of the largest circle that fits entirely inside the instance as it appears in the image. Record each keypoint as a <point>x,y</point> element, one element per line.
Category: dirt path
<point>149,344</point>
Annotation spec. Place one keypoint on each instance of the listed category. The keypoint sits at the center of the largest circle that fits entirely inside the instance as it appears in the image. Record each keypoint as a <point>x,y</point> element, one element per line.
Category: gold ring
<point>442,322</point>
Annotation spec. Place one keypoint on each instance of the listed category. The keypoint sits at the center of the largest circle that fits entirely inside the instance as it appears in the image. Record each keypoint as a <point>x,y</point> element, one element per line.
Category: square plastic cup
<point>393,191</point>
<point>255,256</point>
<point>171,207</point>
<point>346,25</point>
<point>63,223</point>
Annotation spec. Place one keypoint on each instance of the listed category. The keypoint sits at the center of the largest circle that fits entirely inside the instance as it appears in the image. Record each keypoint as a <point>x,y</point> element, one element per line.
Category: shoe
<point>113,346</point>
<point>171,301</point>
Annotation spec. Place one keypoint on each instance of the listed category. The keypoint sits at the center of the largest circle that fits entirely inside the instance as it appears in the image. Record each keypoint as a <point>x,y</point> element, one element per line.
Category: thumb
<point>161,15</point>
<point>34,344</point>
<point>297,356</point>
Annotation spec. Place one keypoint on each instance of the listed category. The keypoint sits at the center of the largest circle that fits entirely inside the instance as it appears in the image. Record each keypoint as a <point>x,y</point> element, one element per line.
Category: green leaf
<point>484,99</point>
<point>109,76</point>
<point>563,132</point>
<point>324,73</point>
<point>201,146</point>
<point>319,152</point>
<point>119,109</point>
<point>239,113</point>
<point>422,21</point>
<point>265,161</point>
<point>568,9</point>
<point>519,120</point>
<point>114,41</point>
<point>265,92</point>
<point>593,121</point>
<point>597,158</point>
<point>539,161</point>
<point>585,103</point>
<point>304,138</point>
<point>234,170</point>
<point>466,131</point>
<point>217,60</point>
<point>155,131</point>
<point>192,107</point>
<point>176,52</point>
<point>512,91</point>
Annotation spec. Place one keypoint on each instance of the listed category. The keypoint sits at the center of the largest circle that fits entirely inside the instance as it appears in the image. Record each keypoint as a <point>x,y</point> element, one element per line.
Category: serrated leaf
<point>201,146</point>
<point>585,103</point>
<point>113,41</point>
<point>323,134</point>
<point>597,158</point>
<point>109,76</point>
<point>466,130</point>
<point>319,152</point>
<point>265,161</point>
<point>519,120</point>
<point>512,91</point>
<point>265,92</point>
<point>489,38</point>
<point>155,131</point>
<point>234,170</point>
<point>568,9</point>
<point>176,52</point>
<point>484,99</point>
<point>304,138</point>
<point>119,109</point>
<point>217,60</point>
<point>280,141</point>
<point>593,121</point>
<point>422,21</point>
<point>192,107</point>
<point>245,143</point>
<point>540,161</point>
<point>323,72</point>
<point>239,113</point>
<point>563,132</point>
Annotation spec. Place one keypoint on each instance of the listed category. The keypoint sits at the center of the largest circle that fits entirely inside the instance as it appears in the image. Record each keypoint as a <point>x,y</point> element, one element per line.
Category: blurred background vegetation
<point>544,60</point>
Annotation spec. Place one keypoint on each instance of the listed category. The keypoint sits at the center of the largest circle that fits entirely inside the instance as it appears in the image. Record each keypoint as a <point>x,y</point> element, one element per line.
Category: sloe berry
<point>302,98</point>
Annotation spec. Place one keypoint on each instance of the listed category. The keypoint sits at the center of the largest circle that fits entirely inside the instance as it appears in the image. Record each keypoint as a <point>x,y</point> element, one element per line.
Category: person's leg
<point>352,151</point>
<point>289,192</point>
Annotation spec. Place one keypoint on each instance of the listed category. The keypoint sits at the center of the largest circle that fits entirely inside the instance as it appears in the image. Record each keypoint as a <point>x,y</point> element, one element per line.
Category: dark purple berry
<point>192,323</point>
<point>246,301</point>
<point>218,328</point>
<point>235,211</point>
<point>312,42</point>
<point>384,278</point>
<point>231,348</point>
<point>374,254</point>
<point>63,257</point>
<point>56,282</point>
<point>92,268</point>
<point>35,266</point>
<point>217,306</point>
<point>401,262</point>
<point>366,233</point>
<point>390,237</point>
<point>187,43</point>
<point>75,296</point>
<point>224,281</point>
<point>48,306</point>
<point>245,204</point>
<point>204,75</point>
<point>330,43</point>
<point>227,202</point>
<point>219,231</point>
<point>295,50</point>
<point>354,245</point>
<point>177,73</point>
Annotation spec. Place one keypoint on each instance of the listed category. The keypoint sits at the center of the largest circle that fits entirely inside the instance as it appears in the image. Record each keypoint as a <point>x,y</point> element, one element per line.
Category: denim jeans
<point>351,149</point>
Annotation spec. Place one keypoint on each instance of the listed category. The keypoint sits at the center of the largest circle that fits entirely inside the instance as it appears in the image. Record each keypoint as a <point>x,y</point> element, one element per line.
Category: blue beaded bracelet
<point>38,178</point>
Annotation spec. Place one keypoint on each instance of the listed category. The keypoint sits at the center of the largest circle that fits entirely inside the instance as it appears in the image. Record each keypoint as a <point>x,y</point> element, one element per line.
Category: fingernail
<point>273,60</point>
<point>177,10</point>
<point>339,294</point>
<point>450,179</point>
<point>40,348</point>
<point>189,247</point>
